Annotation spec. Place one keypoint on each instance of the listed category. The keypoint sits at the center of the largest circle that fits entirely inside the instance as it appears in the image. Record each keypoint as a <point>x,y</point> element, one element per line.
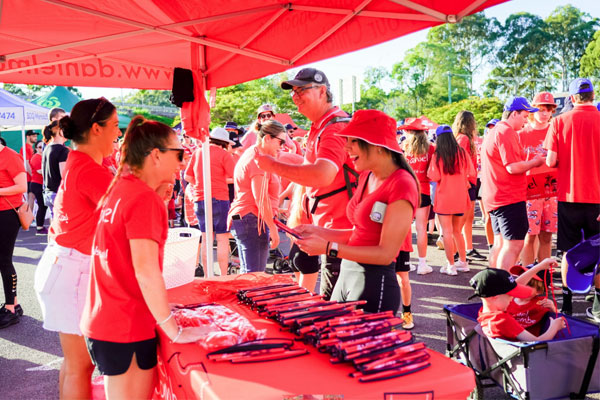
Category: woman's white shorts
<point>61,284</point>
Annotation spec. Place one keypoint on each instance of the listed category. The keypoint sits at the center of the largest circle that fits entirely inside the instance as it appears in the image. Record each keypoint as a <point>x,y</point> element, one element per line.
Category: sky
<point>389,53</point>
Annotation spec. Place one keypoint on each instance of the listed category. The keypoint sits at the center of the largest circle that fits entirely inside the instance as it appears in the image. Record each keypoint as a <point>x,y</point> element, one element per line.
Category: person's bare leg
<point>405,289</point>
<point>421,225</point>
<point>308,281</point>
<point>30,200</point>
<point>545,249</point>
<point>458,223</point>
<point>509,254</point>
<point>75,377</point>
<point>527,254</point>
<point>223,252</point>
<point>448,235</point>
<point>135,383</point>
<point>495,250</point>
<point>468,226</point>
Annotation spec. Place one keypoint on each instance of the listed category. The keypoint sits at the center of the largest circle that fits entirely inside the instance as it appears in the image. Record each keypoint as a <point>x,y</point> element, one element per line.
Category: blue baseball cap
<point>492,122</point>
<point>442,129</point>
<point>580,85</point>
<point>519,104</point>
<point>583,260</point>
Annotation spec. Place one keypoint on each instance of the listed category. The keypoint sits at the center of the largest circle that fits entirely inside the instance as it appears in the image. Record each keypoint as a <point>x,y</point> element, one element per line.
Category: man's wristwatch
<point>333,250</point>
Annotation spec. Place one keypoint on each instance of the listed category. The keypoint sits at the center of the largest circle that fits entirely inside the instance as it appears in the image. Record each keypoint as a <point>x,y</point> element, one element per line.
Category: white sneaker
<point>449,270</point>
<point>462,266</point>
<point>424,269</point>
<point>412,267</point>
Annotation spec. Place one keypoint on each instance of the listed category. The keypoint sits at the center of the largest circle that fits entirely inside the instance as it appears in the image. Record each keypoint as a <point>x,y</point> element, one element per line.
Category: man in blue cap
<point>503,182</point>
<point>573,143</point>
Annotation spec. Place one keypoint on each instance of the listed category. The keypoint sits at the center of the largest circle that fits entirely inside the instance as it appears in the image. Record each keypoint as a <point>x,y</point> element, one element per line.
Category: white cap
<point>221,134</point>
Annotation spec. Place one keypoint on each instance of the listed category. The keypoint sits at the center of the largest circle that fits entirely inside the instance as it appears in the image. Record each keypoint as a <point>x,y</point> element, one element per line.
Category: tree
<point>32,91</point>
<point>570,30</point>
<point>521,60</point>
<point>590,62</point>
<point>483,110</point>
<point>149,98</point>
<point>471,39</point>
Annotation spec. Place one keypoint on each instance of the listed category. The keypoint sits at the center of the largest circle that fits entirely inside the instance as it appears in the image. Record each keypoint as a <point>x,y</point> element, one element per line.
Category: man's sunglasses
<point>265,115</point>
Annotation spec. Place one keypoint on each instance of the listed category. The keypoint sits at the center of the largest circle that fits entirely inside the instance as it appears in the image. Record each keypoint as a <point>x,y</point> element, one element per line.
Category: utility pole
<point>450,75</point>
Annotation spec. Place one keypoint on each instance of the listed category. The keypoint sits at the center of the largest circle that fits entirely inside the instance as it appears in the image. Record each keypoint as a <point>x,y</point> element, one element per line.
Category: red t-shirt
<point>529,315</point>
<point>221,168</point>
<point>575,137</point>
<point>478,142</point>
<point>80,190</point>
<point>400,185</point>
<point>11,165</point>
<point>420,164</point>
<point>463,141</point>
<point>36,163</point>
<point>532,141</point>
<point>28,154</point>
<point>452,191</point>
<point>323,144</point>
<point>499,324</point>
<point>500,148</point>
<point>115,309</point>
<point>244,202</point>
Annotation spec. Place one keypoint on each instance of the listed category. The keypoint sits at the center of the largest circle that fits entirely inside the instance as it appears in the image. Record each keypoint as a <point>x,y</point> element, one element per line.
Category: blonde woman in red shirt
<point>453,171</point>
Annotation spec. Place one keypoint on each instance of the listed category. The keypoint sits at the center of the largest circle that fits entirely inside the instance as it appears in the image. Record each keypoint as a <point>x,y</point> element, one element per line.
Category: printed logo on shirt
<point>102,255</point>
<point>108,214</point>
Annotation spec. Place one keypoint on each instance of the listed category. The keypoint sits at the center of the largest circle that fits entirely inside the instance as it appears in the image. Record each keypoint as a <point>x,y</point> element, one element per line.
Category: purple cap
<point>519,104</point>
<point>580,85</point>
<point>442,129</point>
<point>583,261</point>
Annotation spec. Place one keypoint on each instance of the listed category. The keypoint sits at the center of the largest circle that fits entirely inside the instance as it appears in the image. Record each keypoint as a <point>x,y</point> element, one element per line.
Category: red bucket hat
<point>374,127</point>
<point>418,124</point>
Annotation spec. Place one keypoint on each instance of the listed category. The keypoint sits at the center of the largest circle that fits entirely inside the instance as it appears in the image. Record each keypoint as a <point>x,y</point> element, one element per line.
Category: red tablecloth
<point>184,371</point>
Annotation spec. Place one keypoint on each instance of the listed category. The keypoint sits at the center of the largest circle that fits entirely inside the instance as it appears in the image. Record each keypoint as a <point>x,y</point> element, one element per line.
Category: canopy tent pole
<point>199,64</point>
<point>23,141</point>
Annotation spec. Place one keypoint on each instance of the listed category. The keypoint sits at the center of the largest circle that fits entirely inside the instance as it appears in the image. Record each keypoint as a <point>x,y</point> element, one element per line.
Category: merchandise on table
<point>375,344</point>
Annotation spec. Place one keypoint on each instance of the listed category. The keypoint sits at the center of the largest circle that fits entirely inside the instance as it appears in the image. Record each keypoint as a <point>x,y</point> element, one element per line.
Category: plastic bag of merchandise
<point>230,328</point>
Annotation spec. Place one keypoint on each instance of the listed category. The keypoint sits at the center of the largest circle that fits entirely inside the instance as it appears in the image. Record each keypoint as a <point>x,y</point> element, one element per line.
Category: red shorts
<point>542,215</point>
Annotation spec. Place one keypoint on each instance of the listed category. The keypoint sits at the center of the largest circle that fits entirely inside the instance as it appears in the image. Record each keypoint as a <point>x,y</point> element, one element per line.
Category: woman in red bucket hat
<point>381,210</point>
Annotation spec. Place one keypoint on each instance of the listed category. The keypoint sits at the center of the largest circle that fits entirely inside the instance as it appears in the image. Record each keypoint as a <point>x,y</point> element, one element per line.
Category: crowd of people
<point>349,192</point>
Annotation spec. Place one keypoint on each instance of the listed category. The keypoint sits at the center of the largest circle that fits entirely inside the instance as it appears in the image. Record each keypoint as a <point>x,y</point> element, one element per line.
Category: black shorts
<point>573,218</point>
<point>403,261</point>
<point>478,189</point>
<point>29,189</point>
<point>113,358</point>
<point>425,200</point>
<point>302,262</point>
<point>377,284</point>
<point>474,191</point>
<point>431,213</point>
<point>510,221</point>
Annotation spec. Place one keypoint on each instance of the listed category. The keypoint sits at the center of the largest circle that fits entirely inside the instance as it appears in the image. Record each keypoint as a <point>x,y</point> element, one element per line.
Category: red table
<point>184,371</point>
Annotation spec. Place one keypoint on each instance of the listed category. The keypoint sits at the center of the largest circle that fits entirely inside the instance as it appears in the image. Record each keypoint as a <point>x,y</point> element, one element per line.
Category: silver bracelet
<point>178,334</point>
<point>166,319</point>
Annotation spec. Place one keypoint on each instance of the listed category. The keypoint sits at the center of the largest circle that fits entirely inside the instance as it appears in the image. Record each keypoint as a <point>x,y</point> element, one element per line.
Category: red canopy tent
<point>137,43</point>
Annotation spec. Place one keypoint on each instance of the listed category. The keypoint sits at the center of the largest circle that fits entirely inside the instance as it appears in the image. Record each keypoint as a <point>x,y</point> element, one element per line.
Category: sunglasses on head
<point>179,152</point>
<point>281,141</point>
<point>101,104</point>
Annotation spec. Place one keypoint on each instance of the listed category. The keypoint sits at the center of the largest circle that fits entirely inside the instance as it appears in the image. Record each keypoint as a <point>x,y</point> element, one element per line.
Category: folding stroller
<point>565,367</point>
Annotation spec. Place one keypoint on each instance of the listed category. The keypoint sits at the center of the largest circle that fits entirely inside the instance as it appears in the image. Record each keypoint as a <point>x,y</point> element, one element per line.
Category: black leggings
<point>9,229</point>
<point>40,216</point>
<point>377,284</point>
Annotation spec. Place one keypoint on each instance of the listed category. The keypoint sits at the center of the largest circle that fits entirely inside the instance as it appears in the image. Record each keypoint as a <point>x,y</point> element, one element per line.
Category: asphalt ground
<point>30,357</point>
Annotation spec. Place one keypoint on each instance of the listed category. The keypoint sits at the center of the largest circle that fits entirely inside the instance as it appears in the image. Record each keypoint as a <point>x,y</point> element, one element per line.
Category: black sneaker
<point>199,271</point>
<point>594,316</point>
<point>19,310</point>
<point>7,318</point>
<point>474,255</point>
<point>457,257</point>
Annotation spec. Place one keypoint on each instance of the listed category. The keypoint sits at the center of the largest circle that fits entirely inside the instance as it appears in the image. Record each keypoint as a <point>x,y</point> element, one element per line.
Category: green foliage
<point>239,103</point>
<point>150,98</point>
<point>33,91</point>
<point>483,110</point>
<point>146,114</point>
<point>590,62</point>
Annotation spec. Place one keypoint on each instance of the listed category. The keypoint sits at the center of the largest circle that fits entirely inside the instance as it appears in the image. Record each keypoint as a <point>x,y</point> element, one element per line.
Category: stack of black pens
<point>374,344</point>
